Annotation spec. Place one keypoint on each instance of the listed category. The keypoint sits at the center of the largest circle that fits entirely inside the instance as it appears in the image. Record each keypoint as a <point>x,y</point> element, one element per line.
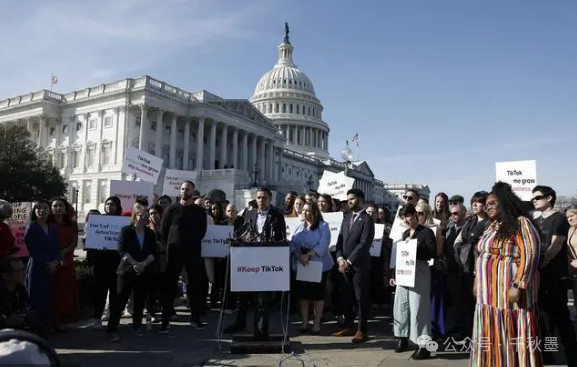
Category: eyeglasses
<point>410,198</point>
<point>420,213</point>
<point>539,197</point>
<point>455,213</point>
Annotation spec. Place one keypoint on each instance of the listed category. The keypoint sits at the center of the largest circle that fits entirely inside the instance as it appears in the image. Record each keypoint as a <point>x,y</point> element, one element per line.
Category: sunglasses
<point>410,198</point>
<point>455,213</point>
<point>420,213</point>
<point>539,197</point>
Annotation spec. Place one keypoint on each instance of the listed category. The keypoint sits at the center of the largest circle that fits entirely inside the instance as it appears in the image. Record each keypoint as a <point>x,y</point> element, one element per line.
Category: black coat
<point>128,244</point>
<point>184,226</point>
<point>355,242</point>
<point>274,226</point>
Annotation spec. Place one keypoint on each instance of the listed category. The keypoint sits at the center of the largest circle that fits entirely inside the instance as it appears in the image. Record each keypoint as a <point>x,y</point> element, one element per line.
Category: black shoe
<point>234,328</point>
<point>403,345</point>
<point>420,354</point>
<point>198,325</point>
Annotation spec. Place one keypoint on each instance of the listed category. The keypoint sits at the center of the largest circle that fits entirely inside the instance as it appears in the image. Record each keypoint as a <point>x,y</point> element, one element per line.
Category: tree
<point>26,174</point>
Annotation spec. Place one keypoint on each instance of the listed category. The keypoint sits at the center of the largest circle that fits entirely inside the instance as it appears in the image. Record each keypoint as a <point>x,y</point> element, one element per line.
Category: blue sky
<point>438,91</point>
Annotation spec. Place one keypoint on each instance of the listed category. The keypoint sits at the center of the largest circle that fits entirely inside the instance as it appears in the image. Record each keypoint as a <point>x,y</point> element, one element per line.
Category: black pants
<point>217,288</point>
<point>105,283</point>
<point>356,294</point>
<point>157,282</point>
<point>194,267</point>
<point>460,291</point>
<point>334,287</point>
<point>554,315</point>
<point>127,284</point>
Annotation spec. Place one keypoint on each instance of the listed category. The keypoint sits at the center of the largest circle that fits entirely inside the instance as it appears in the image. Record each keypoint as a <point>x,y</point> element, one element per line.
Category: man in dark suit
<point>183,228</point>
<point>268,225</point>
<point>354,261</point>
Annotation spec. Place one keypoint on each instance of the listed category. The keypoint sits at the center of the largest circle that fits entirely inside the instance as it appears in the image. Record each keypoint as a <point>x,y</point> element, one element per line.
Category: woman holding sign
<point>412,307</point>
<point>310,247</point>
<point>506,323</point>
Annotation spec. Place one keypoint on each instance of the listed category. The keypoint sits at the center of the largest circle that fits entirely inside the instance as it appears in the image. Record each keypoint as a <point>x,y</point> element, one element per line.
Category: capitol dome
<point>287,96</point>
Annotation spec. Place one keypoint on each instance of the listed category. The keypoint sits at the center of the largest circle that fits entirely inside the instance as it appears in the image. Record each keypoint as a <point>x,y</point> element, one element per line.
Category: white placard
<point>312,272</point>
<point>141,164</point>
<point>521,175</point>
<point>18,223</point>
<point>215,243</point>
<point>260,269</point>
<point>173,179</point>
<point>102,231</point>
<point>128,191</point>
<point>335,184</point>
<point>379,231</point>
<point>398,228</point>
<point>406,261</point>
<point>334,220</point>
<point>375,249</point>
<point>292,224</point>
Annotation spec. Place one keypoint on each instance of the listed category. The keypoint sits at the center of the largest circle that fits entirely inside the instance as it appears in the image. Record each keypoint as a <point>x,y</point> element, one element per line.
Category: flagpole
<point>357,150</point>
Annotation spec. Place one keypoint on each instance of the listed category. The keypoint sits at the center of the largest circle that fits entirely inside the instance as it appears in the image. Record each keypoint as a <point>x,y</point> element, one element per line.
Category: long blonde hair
<point>425,208</point>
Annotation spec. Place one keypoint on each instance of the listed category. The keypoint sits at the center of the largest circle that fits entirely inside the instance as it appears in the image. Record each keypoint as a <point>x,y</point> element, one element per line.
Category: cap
<point>457,198</point>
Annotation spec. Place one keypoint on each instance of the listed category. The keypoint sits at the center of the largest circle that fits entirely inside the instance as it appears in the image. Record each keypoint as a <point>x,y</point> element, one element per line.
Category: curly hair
<point>510,209</point>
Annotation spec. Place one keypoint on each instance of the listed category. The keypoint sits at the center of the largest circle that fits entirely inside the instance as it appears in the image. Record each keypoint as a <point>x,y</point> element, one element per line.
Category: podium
<point>260,268</point>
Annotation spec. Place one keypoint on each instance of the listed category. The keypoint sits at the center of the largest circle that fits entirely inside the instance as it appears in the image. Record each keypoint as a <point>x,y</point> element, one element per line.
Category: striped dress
<point>507,334</point>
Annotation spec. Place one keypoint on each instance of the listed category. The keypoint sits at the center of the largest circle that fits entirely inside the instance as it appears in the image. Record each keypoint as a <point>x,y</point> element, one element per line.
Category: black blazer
<point>274,226</point>
<point>128,244</point>
<point>184,226</point>
<point>426,242</point>
<point>354,244</point>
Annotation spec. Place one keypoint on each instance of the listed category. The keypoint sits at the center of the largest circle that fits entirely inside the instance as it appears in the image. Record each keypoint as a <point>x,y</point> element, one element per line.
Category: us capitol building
<point>277,138</point>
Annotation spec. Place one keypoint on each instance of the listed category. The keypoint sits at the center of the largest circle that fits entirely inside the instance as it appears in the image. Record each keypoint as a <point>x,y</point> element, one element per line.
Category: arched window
<point>276,108</point>
<point>284,108</point>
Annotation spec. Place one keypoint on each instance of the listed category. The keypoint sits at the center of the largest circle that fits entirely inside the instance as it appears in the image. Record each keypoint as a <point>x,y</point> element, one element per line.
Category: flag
<point>54,79</point>
<point>356,137</point>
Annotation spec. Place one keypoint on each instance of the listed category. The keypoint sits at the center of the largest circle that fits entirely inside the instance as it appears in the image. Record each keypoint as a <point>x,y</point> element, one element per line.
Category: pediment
<point>363,167</point>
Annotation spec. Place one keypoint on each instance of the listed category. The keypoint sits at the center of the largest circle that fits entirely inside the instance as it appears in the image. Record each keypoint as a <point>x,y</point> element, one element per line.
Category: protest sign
<point>216,241</point>
<point>260,269</point>
<point>521,175</point>
<point>406,261</point>
<point>398,228</point>
<point>291,226</point>
<point>173,179</point>
<point>102,231</point>
<point>128,191</point>
<point>334,220</point>
<point>18,223</point>
<point>335,184</point>
<point>312,272</point>
<point>141,164</point>
<point>375,250</point>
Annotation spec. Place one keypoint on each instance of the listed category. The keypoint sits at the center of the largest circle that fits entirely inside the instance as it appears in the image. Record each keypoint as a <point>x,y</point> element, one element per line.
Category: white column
<point>262,159</point>
<point>253,148</point>
<point>85,143</point>
<point>327,144</point>
<point>42,131</point>
<point>114,147</point>
<point>159,133</point>
<point>235,163</point>
<point>99,142</point>
<point>270,161</point>
<point>244,151</point>
<point>224,147</point>
<point>307,136</point>
<point>288,131</point>
<point>212,147</point>
<point>200,145</point>
<point>186,145</point>
<point>173,132</point>
<point>143,137</point>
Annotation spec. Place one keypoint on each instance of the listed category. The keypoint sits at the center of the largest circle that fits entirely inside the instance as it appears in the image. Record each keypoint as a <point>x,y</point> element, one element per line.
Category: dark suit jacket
<point>184,226</point>
<point>354,244</point>
<point>128,244</point>
<point>274,226</point>
<point>426,242</point>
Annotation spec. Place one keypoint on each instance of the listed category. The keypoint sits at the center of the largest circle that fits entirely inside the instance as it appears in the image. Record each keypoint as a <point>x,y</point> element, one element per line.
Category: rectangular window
<point>79,126</point>
<point>105,156</point>
<point>167,130</point>
<point>73,192</point>
<point>87,191</point>
<point>153,126</point>
<point>180,133</point>
<point>64,129</point>
<point>102,190</point>
<point>137,121</point>
<point>91,124</point>
<point>91,158</point>
<point>77,158</point>
<point>108,121</point>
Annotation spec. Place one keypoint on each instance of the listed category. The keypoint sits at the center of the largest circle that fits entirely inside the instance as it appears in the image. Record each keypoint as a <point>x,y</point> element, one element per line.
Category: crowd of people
<point>496,274</point>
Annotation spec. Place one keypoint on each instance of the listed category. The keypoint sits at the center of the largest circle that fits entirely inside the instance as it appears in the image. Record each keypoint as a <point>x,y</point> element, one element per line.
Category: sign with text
<point>335,184</point>
<point>259,269</point>
<point>141,164</point>
<point>521,175</point>
<point>291,226</point>
<point>18,223</point>
<point>102,231</point>
<point>398,228</point>
<point>174,178</point>
<point>128,191</point>
<point>215,243</point>
<point>334,220</point>
<point>406,261</point>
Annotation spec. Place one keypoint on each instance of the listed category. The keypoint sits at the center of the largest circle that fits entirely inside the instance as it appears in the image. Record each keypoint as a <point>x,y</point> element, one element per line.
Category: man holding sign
<point>354,260</point>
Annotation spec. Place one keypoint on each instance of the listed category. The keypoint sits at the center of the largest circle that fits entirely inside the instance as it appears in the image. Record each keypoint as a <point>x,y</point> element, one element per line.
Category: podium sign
<point>259,269</point>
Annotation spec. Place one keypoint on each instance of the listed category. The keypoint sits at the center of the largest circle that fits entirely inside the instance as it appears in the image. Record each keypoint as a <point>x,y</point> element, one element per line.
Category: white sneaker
<point>126,313</point>
<point>95,324</point>
<point>105,316</point>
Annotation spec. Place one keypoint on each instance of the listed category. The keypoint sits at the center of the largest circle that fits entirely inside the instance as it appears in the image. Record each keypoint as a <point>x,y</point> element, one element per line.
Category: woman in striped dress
<point>506,324</point>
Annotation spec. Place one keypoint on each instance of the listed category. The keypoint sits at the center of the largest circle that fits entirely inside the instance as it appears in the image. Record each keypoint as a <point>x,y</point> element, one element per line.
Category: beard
<point>185,196</point>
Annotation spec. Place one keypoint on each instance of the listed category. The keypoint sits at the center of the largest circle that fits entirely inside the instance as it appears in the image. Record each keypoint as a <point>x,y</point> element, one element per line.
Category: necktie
<point>353,216</point>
